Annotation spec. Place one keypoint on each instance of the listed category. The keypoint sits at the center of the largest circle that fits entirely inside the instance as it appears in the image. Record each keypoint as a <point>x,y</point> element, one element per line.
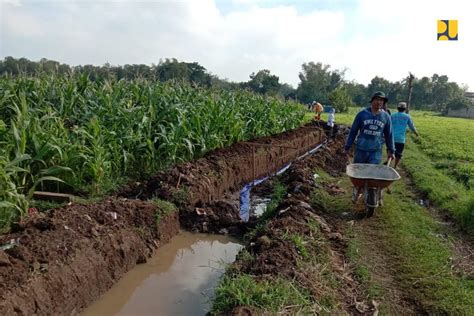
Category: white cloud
<point>405,40</point>
<point>384,38</point>
<point>22,25</point>
<point>15,3</point>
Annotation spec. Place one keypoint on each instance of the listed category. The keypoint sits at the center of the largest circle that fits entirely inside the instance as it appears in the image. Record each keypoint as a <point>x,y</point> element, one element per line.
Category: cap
<point>379,94</point>
<point>402,105</point>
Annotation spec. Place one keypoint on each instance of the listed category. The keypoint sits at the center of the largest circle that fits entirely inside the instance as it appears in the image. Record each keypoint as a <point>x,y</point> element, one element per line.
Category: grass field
<point>440,161</point>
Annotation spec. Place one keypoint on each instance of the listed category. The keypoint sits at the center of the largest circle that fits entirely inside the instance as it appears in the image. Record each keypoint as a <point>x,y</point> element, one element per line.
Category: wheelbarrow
<point>372,179</point>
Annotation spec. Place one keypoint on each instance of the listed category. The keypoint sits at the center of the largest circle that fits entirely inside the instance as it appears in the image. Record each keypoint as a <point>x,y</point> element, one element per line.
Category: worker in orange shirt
<point>318,109</point>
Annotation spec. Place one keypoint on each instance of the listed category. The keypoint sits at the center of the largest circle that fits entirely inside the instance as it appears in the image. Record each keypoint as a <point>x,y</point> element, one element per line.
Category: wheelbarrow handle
<point>389,160</point>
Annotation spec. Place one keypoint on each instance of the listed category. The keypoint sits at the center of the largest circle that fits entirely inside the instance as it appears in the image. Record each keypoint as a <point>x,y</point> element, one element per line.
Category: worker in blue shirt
<point>371,128</point>
<point>400,121</point>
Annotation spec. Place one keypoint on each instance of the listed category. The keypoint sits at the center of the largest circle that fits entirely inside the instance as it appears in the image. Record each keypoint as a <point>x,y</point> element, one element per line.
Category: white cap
<point>402,105</point>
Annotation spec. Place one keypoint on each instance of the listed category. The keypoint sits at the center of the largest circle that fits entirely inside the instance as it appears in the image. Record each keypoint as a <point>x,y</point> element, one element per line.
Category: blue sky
<point>233,38</point>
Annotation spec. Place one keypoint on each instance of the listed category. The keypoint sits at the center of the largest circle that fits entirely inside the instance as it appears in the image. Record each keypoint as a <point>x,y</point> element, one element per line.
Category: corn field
<point>69,134</point>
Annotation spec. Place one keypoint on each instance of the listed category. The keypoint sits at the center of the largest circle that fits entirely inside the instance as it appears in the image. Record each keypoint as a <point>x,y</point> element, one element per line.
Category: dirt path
<point>382,266</point>
<point>461,243</point>
<point>401,286</point>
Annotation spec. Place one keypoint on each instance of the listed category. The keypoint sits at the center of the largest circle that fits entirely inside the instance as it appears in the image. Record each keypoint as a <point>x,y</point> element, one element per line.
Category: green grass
<point>46,205</point>
<point>269,296</point>
<point>439,187</point>
<point>422,258</point>
<point>362,271</point>
<point>164,208</point>
<point>447,141</point>
<point>322,200</point>
<point>300,244</point>
<point>336,205</point>
<point>273,294</point>
<point>441,161</point>
<point>279,191</point>
<point>410,239</point>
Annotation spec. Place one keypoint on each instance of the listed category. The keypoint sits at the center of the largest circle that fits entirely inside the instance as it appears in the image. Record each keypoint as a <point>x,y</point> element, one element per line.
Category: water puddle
<point>252,205</point>
<point>178,280</point>
<point>258,206</point>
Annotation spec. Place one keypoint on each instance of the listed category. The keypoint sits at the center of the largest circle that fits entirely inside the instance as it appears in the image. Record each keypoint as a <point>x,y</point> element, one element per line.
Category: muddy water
<point>258,206</point>
<point>178,280</point>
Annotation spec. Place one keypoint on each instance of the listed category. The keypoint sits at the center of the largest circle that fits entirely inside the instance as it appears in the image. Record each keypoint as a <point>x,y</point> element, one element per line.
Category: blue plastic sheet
<point>245,203</point>
<point>245,192</point>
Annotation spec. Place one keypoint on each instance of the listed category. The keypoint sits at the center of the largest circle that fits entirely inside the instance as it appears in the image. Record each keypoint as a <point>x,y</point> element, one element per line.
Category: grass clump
<point>270,296</point>
<point>279,191</point>
<point>299,243</point>
<point>362,272</point>
<point>164,208</point>
<point>441,189</point>
<point>423,257</point>
<point>321,199</point>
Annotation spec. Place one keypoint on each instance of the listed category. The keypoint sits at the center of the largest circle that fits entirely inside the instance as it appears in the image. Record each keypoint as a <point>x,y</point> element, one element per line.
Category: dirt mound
<point>304,244</point>
<point>207,179</point>
<point>62,261</point>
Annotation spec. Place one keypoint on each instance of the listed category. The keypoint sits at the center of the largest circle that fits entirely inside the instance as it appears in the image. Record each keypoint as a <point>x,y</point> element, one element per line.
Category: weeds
<point>299,243</point>
<point>164,208</point>
<point>279,192</point>
<point>269,296</point>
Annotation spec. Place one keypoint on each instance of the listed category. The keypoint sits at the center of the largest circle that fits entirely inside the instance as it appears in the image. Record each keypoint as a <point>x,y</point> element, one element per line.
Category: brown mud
<point>64,260</point>
<point>200,187</point>
<point>59,262</point>
<point>323,260</point>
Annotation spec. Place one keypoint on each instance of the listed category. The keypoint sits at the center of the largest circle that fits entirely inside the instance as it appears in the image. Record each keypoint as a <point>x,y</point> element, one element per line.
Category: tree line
<point>318,82</point>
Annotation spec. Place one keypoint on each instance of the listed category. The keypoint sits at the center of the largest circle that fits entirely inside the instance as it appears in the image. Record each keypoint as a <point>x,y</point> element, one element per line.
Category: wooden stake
<point>410,87</point>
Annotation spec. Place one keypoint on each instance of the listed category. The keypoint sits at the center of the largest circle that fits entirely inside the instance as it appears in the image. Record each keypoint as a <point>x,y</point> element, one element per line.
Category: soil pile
<point>59,262</point>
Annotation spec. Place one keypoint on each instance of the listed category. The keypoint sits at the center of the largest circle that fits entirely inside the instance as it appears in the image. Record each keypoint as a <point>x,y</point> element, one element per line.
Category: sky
<point>234,38</point>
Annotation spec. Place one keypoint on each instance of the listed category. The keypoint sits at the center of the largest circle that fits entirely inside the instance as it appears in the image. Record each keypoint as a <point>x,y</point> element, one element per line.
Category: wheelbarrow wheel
<point>370,211</point>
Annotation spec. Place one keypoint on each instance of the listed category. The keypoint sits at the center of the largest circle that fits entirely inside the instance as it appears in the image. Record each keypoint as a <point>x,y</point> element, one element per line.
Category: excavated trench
<point>62,261</point>
<point>179,279</point>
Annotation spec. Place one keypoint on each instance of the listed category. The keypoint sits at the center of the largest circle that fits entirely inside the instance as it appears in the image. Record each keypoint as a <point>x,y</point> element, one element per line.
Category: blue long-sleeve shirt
<point>400,121</point>
<point>369,131</point>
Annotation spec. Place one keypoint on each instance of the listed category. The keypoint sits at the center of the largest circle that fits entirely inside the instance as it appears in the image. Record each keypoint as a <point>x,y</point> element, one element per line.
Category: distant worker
<point>400,121</point>
<point>318,109</point>
<point>371,128</point>
<point>385,107</point>
<point>331,120</point>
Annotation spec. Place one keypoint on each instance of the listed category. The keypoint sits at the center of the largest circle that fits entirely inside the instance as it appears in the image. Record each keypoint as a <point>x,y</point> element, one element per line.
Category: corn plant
<point>86,137</point>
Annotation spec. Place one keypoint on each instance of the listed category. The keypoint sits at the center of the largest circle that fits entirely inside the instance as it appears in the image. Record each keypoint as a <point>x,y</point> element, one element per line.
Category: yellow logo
<point>447,30</point>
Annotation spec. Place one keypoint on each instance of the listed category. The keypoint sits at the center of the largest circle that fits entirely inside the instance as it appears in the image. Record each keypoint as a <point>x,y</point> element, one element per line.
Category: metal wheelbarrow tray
<point>374,176</point>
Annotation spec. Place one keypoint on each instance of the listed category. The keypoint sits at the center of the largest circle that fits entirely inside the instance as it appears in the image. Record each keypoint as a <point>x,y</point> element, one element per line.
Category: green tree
<point>444,91</point>
<point>264,82</point>
<point>198,75</point>
<point>10,66</point>
<point>422,93</point>
<point>340,99</point>
<point>287,91</point>
<point>317,80</point>
<point>357,92</point>
<point>378,84</point>
<point>459,102</point>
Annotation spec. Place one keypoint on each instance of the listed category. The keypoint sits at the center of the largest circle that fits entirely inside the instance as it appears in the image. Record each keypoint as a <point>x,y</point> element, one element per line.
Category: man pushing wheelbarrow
<point>371,128</point>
